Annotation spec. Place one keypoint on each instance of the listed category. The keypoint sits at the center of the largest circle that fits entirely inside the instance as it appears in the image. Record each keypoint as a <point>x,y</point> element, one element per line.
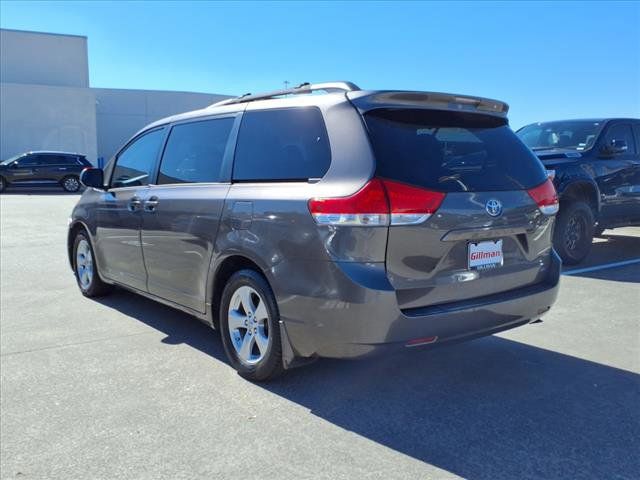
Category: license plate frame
<point>485,255</point>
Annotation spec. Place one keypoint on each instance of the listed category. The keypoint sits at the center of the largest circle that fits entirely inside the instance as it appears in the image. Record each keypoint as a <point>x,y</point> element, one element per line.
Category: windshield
<point>577,135</point>
<point>9,160</point>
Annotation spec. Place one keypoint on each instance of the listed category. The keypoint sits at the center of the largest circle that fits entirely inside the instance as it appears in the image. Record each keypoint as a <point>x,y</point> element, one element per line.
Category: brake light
<point>379,203</point>
<point>546,197</point>
<point>411,205</point>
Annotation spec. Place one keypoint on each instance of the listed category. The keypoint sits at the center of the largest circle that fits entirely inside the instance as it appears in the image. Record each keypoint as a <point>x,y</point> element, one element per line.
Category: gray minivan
<point>326,221</point>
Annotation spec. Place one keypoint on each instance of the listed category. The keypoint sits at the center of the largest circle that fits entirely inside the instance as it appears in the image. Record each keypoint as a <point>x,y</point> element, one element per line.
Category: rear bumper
<point>354,311</point>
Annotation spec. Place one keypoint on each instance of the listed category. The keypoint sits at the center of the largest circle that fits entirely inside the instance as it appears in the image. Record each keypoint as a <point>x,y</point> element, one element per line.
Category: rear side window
<point>134,163</point>
<point>195,151</point>
<point>283,144</point>
<point>451,151</point>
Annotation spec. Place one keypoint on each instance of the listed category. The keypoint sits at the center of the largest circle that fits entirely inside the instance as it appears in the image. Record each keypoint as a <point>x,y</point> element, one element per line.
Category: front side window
<point>620,131</point>
<point>281,145</point>
<point>195,151</point>
<point>134,163</point>
<point>30,161</point>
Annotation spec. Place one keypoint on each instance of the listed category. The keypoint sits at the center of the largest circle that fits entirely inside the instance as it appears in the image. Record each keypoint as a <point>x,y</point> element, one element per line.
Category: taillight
<point>546,197</point>
<point>411,205</point>
<point>379,203</point>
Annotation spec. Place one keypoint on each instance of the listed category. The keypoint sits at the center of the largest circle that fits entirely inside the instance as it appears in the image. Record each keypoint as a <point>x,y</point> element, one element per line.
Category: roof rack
<point>303,88</point>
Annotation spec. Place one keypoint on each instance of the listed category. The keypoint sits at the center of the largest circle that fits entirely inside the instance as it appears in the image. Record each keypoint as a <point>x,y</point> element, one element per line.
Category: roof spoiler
<point>303,88</point>
<point>365,101</point>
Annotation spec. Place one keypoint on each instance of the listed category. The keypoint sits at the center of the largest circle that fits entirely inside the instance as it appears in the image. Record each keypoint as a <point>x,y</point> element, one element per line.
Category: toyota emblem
<point>493,207</point>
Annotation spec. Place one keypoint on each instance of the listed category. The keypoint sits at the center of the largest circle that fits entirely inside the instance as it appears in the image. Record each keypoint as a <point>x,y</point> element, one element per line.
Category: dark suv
<point>43,168</point>
<point>326,221</point>
<point>596,169</point>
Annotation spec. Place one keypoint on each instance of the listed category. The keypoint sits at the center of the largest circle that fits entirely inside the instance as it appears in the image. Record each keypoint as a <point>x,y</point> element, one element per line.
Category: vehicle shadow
<point>608,249</point>
<point>488,409</point>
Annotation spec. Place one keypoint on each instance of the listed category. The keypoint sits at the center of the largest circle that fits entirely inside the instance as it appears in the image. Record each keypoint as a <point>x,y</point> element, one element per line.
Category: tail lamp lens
<point>379,203</point>
<point>546,197</point>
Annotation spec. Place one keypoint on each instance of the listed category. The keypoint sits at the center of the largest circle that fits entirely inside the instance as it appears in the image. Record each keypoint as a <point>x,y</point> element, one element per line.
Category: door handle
<point>151,204</point>
<point>134,204</point>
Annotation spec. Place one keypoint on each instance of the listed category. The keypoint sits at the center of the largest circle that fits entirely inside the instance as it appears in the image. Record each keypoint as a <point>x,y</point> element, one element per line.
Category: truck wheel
<point>573,232</point>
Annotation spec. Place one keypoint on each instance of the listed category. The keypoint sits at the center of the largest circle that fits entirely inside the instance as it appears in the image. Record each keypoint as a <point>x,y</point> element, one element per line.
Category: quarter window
<point>135,162</point>
<point>195,152</point>
<point>282,144</point>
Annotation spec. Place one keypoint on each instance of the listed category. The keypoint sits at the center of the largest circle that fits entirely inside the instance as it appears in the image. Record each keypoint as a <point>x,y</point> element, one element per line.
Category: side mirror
<point>616,146</point>
<point>92,177</point>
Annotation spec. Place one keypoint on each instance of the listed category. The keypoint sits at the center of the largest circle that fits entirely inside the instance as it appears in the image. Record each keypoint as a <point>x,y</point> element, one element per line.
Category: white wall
<point>43,58</point>
<point>121,113</point>
<point>41,117</point>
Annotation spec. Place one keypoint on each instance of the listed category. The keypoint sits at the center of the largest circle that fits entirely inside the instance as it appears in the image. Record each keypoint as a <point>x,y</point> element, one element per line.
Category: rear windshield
<point>451,151</point>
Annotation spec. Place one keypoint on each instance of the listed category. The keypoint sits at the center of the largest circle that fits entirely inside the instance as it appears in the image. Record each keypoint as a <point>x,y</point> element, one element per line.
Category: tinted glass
<point>195,151</point>
<point>30,161</point>
<point>285,144</point>
<point>622,132</point>
<point>572,134</point>
<point>135,163</point>
<point>58,160</point>
<point>450,151</point>
<point>636,134</point>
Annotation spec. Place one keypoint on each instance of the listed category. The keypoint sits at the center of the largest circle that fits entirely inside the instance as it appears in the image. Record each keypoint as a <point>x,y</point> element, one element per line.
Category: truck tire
<point>573,232</point>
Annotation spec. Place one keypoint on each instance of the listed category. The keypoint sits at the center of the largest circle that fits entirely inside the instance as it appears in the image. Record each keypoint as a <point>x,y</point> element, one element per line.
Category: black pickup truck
<point>595,166</point>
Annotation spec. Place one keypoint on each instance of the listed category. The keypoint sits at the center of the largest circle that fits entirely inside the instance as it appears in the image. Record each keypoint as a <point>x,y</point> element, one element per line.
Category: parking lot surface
<point>126,388</point>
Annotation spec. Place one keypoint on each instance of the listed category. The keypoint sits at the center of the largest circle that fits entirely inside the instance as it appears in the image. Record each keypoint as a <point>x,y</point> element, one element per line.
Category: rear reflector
<point>546,197</point>
<point>420,341</point>
<point>379,203</point>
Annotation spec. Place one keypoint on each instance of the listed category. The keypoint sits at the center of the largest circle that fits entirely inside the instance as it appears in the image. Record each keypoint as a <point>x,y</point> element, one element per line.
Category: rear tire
<point>85,268</point>
<point>250,326</point>
<point>573,232</point>
<point>70,183</point>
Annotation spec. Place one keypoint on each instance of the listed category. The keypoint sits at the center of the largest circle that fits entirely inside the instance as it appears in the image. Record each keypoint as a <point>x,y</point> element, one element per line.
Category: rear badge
<point>493,207</point>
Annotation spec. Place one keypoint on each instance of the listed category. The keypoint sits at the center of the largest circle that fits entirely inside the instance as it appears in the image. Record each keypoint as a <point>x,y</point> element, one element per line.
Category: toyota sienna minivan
<point>326,221</point>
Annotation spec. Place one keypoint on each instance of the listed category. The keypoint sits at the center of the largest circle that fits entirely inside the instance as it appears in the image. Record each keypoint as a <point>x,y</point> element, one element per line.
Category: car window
<point>283,144</point>
<point>195,151</point>
<point>30,161</point>
<point>450,152</point>
<point>636,134</point>
<point>621,131</point>
<point>53,159</point>
<point>135,162</point>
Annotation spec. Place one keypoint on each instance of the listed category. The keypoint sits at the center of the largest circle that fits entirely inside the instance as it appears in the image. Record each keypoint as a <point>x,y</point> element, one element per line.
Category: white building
<point>46,102</point>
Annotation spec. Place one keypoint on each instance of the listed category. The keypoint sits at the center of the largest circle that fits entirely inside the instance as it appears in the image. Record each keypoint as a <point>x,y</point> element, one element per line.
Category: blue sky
<point>547,60</point>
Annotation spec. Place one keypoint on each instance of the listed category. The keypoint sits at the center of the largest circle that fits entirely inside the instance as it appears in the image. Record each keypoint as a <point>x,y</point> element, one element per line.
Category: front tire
<point>249,326</point>
<point>573,232</point>
<point>85,269</point>
<point>70,184</point>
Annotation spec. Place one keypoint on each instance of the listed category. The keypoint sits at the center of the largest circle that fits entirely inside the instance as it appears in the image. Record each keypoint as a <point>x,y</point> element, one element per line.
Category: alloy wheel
<point>71,184</point>
<point>575,232</point>
<point>84,264</point>
<point>248,321</point>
